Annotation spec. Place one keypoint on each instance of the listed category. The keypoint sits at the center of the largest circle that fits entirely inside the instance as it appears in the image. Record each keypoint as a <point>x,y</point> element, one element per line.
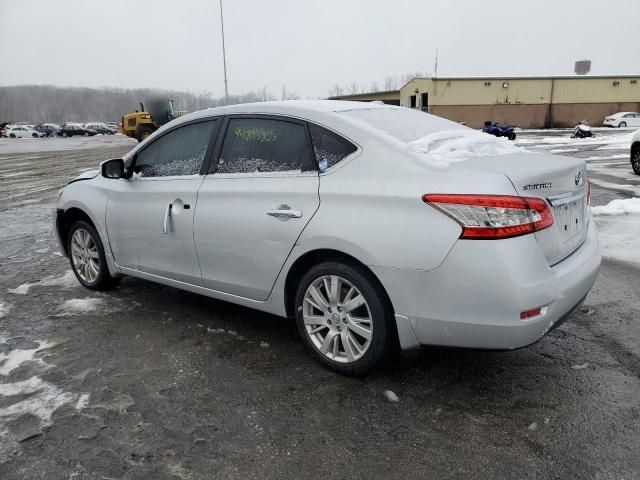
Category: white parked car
<point>20,131</point>
<point>622,120</point>
<point>371,225</point>
<point>635,153</point>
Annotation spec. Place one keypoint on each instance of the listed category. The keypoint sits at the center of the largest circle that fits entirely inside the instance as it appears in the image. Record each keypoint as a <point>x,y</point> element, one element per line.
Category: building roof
<point>365,94</point>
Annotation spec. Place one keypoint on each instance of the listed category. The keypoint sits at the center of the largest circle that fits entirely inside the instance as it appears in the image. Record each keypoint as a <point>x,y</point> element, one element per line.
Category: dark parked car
<point>49,129</point>
<point>101,128</point>
<point>68,130</point>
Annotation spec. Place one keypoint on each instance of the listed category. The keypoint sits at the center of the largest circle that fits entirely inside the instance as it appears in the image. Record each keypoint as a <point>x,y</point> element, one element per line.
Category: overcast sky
<point>306,45</point>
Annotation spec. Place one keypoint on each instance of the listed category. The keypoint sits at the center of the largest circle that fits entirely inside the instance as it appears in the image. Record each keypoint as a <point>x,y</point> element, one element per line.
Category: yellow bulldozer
<point>142,123</point>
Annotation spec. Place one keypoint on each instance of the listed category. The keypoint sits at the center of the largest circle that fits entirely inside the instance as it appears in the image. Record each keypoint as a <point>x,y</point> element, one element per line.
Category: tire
<point>635,161</point>
<point>65,134</point>
<point>511,136</point>
<point>85,134</point>
<point>144,134</point>
<point>12,135</point>
<point>622,125</point>
<point>329,327</point>
<point>98,277</point>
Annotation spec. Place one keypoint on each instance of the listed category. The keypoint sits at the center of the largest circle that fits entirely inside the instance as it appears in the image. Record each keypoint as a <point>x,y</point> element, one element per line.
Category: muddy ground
<point>151,382</point>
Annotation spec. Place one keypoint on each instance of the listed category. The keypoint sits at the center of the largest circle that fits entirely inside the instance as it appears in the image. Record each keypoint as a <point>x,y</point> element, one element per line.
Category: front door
<point>261,192</point>
<point>150,216</point>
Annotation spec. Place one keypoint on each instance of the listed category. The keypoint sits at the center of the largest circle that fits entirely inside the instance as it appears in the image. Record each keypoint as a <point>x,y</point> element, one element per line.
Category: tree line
<point>47,103</point>
<point>390,83</point>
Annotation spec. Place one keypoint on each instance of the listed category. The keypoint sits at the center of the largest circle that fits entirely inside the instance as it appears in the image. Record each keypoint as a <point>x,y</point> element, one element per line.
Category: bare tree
<point>336,91</point>
<point>354,89</point>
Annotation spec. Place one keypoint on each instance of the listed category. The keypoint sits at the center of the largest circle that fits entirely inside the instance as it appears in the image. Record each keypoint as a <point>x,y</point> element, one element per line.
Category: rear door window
<point>256,145</point>
<point>177,152</point>
<point>328,147</point>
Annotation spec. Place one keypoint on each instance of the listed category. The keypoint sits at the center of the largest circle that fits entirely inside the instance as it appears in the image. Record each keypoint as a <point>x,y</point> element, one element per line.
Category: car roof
<point>295,108</point>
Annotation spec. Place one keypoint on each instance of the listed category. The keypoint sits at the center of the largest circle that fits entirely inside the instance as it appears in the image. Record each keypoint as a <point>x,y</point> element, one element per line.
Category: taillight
<point>488,217</point>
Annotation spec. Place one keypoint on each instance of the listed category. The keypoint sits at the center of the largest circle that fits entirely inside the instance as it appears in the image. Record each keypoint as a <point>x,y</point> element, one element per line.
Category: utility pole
<point>224,57</point>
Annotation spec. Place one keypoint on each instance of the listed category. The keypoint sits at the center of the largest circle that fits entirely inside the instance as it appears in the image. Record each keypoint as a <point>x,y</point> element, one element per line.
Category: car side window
<point>254,145</point>
<point>178,152</point>
<point>328,147</point>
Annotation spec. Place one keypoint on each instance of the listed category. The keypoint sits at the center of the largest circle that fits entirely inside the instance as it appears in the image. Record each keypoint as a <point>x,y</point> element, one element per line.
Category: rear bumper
<point>474,299</point>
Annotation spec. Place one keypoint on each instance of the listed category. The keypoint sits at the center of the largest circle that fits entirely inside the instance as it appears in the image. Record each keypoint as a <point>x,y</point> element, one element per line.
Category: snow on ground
<point>4,309</point>
<point>68,280</point>
<point>618,225</point>
<point>31,397</point>
<point>12,360</point>
<point>605,142</point>
<point>620,206</point>
<point>77,306</point>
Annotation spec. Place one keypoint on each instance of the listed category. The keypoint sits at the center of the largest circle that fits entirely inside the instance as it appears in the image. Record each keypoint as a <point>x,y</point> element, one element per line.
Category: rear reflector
<point>530,313</point>
<point>489,217</point>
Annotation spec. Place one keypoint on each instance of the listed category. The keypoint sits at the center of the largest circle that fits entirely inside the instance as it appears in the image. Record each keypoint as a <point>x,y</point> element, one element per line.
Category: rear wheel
<point>144,133</point>
<point>12,135</point>
<point>342,317</point>
<point>34,135</point>
<point>635,161</point>
<point>511,136</point>
<point>65,134</point>
<point>622,125</point>
<point>86,134</point>
<point>87,258</point>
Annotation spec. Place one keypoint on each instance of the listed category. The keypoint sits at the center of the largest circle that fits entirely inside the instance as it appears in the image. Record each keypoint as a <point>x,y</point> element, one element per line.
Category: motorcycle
<point>582,130</point>
<point>498,130</point>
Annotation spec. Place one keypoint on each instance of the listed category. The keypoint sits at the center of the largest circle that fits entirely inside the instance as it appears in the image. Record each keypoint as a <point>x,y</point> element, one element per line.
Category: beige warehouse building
<point>529,102</point>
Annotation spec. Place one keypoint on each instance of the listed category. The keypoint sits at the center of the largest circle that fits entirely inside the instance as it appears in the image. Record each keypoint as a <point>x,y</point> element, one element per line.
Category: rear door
<point>261,191</point>
<point>150,216</point>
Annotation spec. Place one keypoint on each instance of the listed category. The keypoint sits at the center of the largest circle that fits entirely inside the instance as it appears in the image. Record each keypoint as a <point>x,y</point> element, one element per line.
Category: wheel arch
<point>635,146</point>
<point>67,218</point>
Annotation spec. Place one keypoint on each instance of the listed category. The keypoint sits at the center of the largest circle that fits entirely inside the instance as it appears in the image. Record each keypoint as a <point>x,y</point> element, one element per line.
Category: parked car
<point>635,153</point>
<point>18,131</point>
<point>113,125</point>
<point>100,128</point>
<point>498,130</point>
<point>48,129</point>
<point>361,221</point>
<point>69,130</point>
<point>622,120</point>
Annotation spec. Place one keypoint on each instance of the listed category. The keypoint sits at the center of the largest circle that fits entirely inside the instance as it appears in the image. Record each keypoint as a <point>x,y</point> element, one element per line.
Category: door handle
<point>167,214</point>
<point>284,212</point>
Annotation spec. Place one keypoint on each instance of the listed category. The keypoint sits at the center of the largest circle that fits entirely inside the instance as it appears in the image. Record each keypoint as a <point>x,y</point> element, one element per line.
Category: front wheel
<point>622,125</point>
<point>343,318</point>
<point>12,135</point>
<point>87,258</point>
<point>511,136</point>
<point>635,161</point>
<point>86,134</point>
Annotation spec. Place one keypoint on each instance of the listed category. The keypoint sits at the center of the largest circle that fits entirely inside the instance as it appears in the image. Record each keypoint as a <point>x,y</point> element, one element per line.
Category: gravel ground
<point>151,382</point>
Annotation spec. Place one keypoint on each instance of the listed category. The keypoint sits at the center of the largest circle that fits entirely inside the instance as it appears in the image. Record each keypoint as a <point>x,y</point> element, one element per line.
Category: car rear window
<point>328,147</point>
<point>404,124</point>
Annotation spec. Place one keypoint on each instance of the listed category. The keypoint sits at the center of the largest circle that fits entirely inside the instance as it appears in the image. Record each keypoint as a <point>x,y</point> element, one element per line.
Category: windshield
<point>402,123</point>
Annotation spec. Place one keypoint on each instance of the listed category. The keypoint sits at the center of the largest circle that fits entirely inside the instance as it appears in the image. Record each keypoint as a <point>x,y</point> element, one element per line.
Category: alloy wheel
<point>84,254</point>
<point>337,319</point>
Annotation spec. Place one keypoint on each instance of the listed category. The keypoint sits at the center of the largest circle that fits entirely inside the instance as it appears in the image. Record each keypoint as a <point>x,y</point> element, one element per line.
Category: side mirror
<point>113,168</point>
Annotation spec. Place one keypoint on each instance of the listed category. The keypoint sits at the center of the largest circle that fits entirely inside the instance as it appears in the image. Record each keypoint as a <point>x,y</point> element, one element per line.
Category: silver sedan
<point>373,226</point>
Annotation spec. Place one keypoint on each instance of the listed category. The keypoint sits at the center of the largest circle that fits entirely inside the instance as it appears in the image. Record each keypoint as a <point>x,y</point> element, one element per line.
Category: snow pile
<point>618,207</point>
<point>618,226</point>
<point>77,306</point>
<point>452,146</point>
<point>68,280</point>
<point>4,309</point>
<point>13,359</point>
<point>24,398</point>
<point>391,396</point>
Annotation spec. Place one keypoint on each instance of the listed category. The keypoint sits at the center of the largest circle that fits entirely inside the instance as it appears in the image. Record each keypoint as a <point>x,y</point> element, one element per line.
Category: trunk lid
<point>561,181</point>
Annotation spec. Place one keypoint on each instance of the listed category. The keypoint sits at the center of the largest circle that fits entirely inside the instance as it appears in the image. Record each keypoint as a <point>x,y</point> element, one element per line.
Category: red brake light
<point>530,313</point>
<point>491,217</point>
